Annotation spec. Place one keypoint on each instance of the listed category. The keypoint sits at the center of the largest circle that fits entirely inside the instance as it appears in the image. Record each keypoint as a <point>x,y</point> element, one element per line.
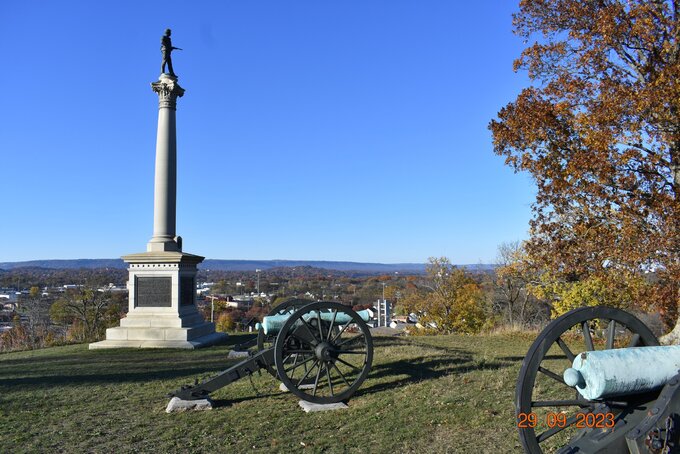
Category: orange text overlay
<point>580,420</point>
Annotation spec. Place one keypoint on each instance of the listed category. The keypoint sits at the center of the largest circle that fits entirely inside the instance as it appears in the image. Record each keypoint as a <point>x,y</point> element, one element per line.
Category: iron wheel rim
<point>531,365</point>
<point>336,376</point>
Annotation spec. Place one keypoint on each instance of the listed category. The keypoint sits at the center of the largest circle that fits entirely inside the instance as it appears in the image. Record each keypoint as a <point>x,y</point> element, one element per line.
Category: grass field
<point>424,394</point>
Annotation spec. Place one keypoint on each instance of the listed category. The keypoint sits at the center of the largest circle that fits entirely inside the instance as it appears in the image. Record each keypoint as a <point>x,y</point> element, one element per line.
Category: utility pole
<point>212,308</point>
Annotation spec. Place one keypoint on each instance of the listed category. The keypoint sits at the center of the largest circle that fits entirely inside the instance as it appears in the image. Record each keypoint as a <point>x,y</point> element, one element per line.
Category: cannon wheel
<point>337,357</point>
<point>267,341</point>
<point>553,339</point>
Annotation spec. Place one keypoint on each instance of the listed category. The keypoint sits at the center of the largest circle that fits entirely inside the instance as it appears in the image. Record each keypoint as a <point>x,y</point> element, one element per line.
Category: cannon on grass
<point>595,380</point>
<point>322,352</point>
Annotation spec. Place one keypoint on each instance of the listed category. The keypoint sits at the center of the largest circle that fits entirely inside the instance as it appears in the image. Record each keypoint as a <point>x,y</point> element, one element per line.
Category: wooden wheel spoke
<point>304,341</point>
<point>342,330</point>
<point>316,380</point>
<point>559,403</point>
<point>330,382</point>
<point>565,348</point>
<point>350,340</point>
<point>295,366</point>
<point>617,403</point>
<point>555,430</point>
<point>586,336</point>
<point>299,351</point>
<point>307,373</point>
<point>330,328</point>
<point>611,334</point>
<point>551,374</point>
<point>635,340</point>
<point>318,322</point>
<point>342,375</point>
<point>347,364</point>
<point>309,329</point>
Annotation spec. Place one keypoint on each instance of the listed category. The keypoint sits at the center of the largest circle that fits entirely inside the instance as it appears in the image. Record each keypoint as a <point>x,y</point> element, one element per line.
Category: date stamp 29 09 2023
<point>580,420</point>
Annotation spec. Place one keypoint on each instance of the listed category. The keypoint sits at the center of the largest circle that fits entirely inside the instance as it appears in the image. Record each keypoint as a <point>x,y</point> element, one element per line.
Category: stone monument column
<point>162,309</point>
<point>165,188</point>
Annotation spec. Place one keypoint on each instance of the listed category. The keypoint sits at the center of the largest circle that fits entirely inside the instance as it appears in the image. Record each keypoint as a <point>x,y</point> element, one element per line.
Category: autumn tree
<point>257,311</point>
<point>599,132</point>
<point>228,321</point>
<point>89,311</point>
<point>36,311</point>
<point>450,302</point>
<point>513,284</point>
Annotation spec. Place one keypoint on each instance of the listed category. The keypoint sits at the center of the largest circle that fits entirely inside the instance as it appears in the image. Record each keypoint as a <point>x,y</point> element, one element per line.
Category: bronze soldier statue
<point>166,50</point>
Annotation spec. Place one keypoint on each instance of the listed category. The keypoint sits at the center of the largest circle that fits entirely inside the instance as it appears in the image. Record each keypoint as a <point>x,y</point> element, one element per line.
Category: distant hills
<point>65,264</point>
<point>242,265</point>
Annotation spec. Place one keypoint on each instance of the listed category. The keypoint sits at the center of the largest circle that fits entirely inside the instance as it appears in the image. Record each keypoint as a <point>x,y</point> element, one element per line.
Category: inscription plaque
<point>186,293</point>
<point>153,292</point>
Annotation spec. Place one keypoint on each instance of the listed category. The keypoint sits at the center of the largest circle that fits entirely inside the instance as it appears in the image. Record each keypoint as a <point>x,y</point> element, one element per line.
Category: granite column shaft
<point>165,185</point>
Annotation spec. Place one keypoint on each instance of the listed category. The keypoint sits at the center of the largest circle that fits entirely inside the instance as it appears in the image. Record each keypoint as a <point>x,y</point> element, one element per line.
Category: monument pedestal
<point>162,305</point>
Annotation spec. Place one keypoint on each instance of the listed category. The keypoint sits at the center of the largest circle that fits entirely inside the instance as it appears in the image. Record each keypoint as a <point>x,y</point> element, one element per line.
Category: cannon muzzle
<point>616,372</point>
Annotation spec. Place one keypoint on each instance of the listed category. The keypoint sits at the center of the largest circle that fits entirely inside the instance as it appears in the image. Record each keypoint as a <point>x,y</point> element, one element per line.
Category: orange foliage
<point>600,134</point>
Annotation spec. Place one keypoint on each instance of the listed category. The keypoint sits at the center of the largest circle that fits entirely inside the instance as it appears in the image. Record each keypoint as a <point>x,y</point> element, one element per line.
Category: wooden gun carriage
<point>322,352</point>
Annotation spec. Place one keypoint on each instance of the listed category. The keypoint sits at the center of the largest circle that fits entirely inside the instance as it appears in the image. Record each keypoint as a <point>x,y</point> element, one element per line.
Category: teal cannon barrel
<point>272,324</point>
<point>607,373</point>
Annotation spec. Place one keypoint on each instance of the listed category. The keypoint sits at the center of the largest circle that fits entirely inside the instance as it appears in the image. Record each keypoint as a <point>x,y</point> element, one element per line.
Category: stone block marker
<point>310,407</point>
<point>177,405</point>
<point>284,389</point>
<point>233,354</point>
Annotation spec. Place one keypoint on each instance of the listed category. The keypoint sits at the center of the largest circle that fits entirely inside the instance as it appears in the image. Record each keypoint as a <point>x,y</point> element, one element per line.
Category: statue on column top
<point>166,50</point>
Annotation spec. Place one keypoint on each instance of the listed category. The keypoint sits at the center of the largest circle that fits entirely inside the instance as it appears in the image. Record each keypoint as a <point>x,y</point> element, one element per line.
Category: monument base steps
<point>192,343</point>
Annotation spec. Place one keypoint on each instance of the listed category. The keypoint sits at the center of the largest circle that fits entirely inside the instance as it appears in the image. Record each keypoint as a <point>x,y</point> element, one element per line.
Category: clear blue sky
<point>334,130</point>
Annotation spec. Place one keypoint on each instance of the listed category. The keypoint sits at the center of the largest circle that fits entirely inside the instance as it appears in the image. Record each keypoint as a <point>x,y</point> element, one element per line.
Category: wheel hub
<point>325,351</point>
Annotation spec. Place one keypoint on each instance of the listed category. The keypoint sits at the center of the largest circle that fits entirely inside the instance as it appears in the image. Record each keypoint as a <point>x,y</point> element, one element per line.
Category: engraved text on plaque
<point>186,293</point>
<point>153,292</point>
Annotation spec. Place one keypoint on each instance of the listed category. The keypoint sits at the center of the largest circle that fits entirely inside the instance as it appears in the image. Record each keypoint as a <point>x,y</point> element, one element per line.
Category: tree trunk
<point>523,308</point>
<point>674,336</point>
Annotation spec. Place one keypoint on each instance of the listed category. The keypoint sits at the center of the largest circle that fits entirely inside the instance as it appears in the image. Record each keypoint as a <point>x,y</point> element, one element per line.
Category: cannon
<point>595,380</point>
<point>321,351</point>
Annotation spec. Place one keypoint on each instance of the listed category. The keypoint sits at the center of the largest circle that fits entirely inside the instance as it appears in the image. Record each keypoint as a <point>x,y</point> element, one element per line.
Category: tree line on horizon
<point>448,299</point>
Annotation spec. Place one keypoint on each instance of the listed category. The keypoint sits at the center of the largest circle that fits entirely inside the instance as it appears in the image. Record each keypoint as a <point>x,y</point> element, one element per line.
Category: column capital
<point>168,90</point>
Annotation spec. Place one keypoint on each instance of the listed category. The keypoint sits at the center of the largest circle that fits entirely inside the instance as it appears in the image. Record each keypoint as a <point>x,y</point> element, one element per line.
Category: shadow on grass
<point>521,358</point>
<point>112,366</point>
<point>226,403</point>
<point>383,341</point>
<point>143,366</point>
<point>56,379</point>
<point>47,363</point>
<point>419,370</point>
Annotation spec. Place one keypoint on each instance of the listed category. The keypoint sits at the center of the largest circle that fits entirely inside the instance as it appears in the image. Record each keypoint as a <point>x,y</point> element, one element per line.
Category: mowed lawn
<point>424,394</point>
